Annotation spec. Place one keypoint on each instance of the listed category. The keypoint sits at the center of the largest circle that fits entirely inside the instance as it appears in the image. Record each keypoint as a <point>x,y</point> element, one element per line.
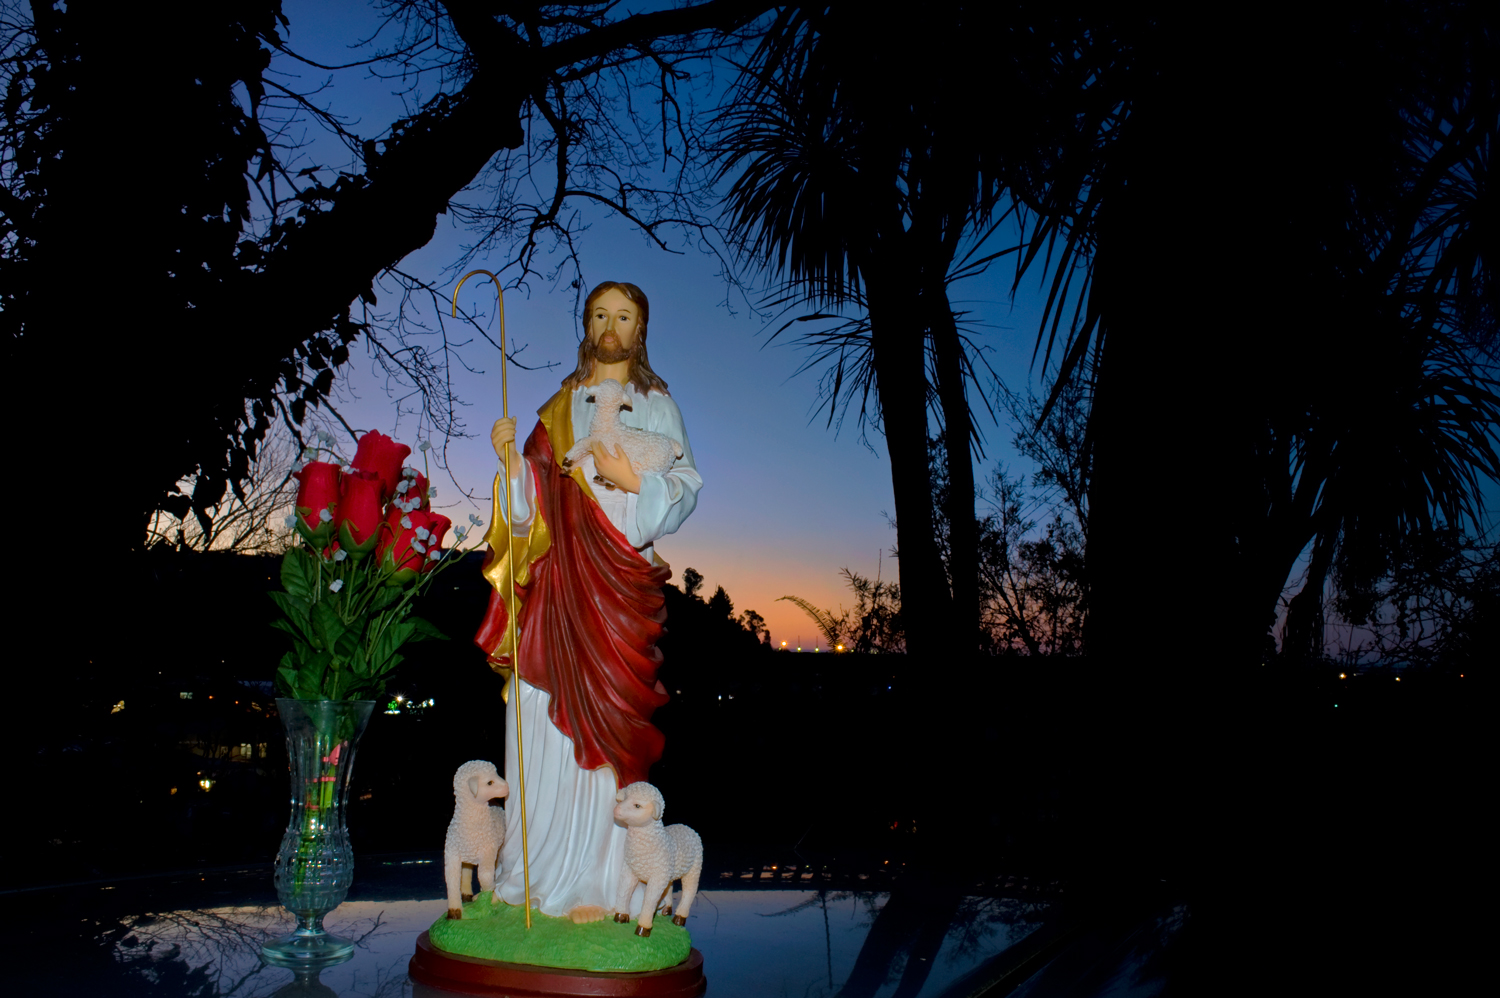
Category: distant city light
<point>1343,676</point>
<point>206,784</point>
<point>117,707</point>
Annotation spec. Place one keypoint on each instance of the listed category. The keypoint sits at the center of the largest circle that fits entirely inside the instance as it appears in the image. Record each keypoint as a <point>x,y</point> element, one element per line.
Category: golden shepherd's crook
<point>510,579</point>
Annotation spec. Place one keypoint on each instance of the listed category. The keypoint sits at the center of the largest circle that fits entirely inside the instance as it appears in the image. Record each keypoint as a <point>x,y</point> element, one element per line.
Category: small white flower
<point>347,469</point>
<point>424,445</point>
<point>340,554</point>
<point>406,522</point>
<point>324,437</point>
<point>475,520</point>
<point>436,554</point>
<point>423,533</point>
<point>290,522</point>
<point>296,466</point>
<point>408,473</point>
<point>325,516</point>
<point>432,492</point>
<point>418,546</point>
<point>309,453</point>
<point>460,533</point>
<point>336,584</point>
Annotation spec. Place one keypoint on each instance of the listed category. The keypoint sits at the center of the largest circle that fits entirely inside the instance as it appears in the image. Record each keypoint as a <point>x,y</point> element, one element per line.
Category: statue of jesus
<point>579,547</point>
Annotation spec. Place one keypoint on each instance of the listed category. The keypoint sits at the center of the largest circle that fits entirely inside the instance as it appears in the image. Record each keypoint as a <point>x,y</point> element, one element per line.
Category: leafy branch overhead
<point>260,271</point>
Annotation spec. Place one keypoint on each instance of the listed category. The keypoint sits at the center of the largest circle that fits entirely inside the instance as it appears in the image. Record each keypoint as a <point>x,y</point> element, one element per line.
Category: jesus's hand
<point>615,468</point>
<point>503,437</point>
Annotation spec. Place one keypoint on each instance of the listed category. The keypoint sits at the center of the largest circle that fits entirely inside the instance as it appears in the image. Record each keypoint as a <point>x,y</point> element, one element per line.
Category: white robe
<point>575,847</point>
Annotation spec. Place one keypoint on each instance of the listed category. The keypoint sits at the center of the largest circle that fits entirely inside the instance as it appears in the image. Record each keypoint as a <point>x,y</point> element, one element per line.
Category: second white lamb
<point>656,854</point>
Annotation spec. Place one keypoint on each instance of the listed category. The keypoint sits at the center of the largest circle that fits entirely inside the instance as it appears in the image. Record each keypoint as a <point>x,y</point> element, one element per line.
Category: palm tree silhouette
<point>1288,298</point>
<point>861,179</point>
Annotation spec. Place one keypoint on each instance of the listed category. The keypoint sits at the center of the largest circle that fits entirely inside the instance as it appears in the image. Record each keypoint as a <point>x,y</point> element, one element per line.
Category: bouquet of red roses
<point>371,544</point>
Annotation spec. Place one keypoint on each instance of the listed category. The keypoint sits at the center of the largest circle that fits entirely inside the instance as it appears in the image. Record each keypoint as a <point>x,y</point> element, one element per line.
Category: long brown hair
<point>641,374</point>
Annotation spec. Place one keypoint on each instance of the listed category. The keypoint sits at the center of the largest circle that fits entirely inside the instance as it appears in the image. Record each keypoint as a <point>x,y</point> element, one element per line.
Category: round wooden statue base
<point>469,975</point>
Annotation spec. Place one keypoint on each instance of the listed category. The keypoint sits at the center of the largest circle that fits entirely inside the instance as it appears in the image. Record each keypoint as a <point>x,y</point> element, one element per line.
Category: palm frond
<point>828,625</point>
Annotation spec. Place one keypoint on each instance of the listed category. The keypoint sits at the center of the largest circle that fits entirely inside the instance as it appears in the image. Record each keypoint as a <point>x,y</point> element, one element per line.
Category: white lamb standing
<point>655,854</point>
<point>647,450</point>
<point>476,832</point>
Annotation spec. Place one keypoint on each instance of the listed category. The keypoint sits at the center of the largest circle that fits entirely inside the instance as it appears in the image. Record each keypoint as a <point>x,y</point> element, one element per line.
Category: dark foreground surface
<point>763,931</point>
<point>1325,831</point>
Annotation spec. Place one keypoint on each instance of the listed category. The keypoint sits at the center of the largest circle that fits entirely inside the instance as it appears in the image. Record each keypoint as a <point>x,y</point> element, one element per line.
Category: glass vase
<point>315,864</point>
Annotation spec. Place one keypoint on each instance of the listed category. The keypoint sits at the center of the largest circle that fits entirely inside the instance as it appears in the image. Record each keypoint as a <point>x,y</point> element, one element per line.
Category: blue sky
<point>786,502</point>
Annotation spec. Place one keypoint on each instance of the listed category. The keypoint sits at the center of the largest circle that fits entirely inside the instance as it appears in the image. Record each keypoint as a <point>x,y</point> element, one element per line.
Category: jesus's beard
<point>616,354</point>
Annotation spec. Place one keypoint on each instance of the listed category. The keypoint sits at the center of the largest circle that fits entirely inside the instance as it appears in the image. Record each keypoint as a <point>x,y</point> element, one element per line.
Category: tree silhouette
<point>171,290</point>
<point>223,301</point>
<point>861,183</point>
<point>1303,343</point>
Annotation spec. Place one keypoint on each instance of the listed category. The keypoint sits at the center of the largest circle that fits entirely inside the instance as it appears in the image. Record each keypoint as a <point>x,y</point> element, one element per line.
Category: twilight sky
<point>786,503</point>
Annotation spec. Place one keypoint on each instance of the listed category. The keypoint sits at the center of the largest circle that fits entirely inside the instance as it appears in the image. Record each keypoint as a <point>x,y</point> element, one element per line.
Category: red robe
<point>591,612</point>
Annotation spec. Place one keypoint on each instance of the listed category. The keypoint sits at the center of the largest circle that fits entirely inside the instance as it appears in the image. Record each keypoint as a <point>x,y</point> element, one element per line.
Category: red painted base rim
<point>470,975</point>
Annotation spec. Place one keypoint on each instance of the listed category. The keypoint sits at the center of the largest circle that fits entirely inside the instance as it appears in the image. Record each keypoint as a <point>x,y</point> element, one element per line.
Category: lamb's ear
<point>473,786</point>
<point>589,399</point>
<point>627,407</point>
<point>620,796</point>
<point>660,807</point>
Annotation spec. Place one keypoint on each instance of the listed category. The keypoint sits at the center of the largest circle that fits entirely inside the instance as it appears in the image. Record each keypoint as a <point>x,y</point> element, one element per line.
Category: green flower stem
<point>317,805</point>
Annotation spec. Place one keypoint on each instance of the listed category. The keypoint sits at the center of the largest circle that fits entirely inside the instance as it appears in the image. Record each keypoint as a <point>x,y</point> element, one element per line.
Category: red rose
<point>437,528</point>
<point>317,490</point>
<point>358,518</point>
<point>382,455</point>
<point>402,549</point>
<point>417,491</point>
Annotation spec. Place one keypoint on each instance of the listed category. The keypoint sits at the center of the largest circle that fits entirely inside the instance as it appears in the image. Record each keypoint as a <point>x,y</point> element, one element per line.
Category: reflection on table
<point>199,934</point>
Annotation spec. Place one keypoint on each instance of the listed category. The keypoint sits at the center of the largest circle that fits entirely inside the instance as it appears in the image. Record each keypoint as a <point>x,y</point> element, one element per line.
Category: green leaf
<point>426,629</point>
<point>359,664</point>
<point>347,647</point>
<point>326,628</point>
<point>282,624</point>
<point>302,677</point>
<point>287,676</point>
<point>384,597</point>
<point>390,666</point>
<point>383,657</point>
<point>295,609</point>
<point>299,574</point>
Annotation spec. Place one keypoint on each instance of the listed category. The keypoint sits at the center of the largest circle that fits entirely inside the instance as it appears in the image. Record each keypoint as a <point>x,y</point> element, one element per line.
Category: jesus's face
<point>613,326</point>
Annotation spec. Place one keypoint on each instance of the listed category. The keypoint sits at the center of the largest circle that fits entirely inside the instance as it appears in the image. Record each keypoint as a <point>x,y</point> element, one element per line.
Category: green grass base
<point>498,932</point>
